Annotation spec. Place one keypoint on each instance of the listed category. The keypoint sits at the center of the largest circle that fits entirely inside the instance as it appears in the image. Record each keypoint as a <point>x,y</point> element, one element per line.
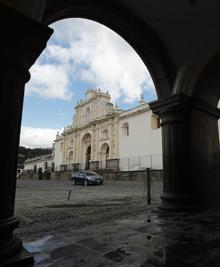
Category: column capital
<point>174,102</point>
<point>206,108</point>
<point>174,109</point>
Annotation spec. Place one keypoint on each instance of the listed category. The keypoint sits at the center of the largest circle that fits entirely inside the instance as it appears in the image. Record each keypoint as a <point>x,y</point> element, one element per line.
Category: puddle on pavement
<point>35,246</point>
<point>161,253</point>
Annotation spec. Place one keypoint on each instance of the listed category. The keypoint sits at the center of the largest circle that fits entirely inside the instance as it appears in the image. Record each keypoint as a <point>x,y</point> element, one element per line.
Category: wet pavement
<point>152,239</point>
<point>129,233</point>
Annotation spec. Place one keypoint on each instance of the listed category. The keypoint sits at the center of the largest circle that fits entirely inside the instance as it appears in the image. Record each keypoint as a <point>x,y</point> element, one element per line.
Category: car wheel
<point>74,182</point>
<point>85,183</point>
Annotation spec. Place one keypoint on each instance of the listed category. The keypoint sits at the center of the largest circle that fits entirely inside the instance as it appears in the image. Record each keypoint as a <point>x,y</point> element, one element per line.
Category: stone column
<point>22,40</point>
<point>205,154</point>
<point>174,114</point>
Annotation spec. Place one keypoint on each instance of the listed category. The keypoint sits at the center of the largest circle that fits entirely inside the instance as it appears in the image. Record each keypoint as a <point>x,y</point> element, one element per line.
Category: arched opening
<point>87,147</point>
<point>104,155</point>
<point>88,156</point>
<point>145,41</point>
<point>86,150</point>
<point>125,129</point>
<point>131,28</point>
<point>70,158</point>
<point>105,134</point>
<point>61,53</point>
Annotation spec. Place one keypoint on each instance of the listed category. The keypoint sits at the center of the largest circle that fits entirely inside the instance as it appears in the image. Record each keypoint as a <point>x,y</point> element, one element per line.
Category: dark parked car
<point>86,178</point>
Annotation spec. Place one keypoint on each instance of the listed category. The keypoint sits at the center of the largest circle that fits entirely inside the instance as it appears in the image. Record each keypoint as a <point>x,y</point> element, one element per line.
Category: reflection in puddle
<point>35,246</point>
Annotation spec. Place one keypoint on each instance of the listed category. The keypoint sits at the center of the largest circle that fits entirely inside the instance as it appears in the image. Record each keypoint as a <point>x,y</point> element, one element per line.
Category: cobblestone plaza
<point>111,225</point>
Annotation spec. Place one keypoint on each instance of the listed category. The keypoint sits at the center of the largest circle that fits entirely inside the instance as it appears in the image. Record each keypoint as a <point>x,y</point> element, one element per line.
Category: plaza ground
<point>43,206</point>
<point>111,225</point>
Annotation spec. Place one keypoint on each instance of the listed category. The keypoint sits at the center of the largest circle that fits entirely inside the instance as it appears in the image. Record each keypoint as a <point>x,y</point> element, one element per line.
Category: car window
<point>91,174</point>
<point>77,174</point>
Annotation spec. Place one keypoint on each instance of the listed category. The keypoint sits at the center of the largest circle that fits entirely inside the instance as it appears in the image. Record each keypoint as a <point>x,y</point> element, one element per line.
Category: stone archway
<point>104,155</point>
<point>24,39</point>
<point>146,42</point>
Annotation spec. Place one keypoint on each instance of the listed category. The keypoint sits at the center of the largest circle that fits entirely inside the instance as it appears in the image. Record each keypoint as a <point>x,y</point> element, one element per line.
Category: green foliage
<point>25,153</point>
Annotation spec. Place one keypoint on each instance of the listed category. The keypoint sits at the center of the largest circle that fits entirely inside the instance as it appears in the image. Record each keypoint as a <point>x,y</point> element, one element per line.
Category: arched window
<point>105,134</point>
<point>125,129</point>
<point>71,157</point>
<point>155,122</point>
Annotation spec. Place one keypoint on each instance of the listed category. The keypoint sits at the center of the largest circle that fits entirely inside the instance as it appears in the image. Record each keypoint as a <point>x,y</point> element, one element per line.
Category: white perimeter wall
<point>39,163</point>
<point>58,155</point>
<point>142,141</point>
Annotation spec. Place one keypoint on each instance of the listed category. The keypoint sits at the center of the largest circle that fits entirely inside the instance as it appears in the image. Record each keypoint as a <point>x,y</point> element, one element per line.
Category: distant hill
<point>25,153</point>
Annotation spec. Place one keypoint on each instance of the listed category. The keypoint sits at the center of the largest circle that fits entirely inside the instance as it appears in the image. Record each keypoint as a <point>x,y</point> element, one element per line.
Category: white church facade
<point>102,136</point>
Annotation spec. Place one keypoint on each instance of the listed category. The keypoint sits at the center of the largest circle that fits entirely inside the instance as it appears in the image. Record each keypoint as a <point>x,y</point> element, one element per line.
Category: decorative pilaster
<point>74,147</point>
<point>78,148</point>
<point>93,144</point>
<point>110,140</point>
<point>22,40</point>
<point>116,138</point>
<point>97,142</point>
<point>174,114</point>
<point>64,150</point>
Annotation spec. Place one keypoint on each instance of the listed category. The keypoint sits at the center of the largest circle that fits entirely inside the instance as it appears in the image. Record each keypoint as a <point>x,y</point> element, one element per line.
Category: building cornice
<point>134,113</point>
<point>90,124</point>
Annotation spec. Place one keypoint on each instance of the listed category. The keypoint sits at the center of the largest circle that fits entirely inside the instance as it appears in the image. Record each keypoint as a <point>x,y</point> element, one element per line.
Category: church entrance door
<point>88,156</point>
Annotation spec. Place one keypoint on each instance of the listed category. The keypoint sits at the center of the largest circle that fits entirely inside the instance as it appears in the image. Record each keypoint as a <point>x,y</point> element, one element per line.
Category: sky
<point>80,55</point>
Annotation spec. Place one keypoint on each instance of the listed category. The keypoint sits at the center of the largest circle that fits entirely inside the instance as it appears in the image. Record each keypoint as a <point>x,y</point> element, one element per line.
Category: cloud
<point>49,81</point>
<point>37,137</point>
<point>87,51</point>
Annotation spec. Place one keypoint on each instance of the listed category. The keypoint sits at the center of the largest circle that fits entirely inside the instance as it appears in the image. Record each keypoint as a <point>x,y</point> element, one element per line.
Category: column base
<point>11,251</point>
<point>176,202</point>
<point>21,259</point>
